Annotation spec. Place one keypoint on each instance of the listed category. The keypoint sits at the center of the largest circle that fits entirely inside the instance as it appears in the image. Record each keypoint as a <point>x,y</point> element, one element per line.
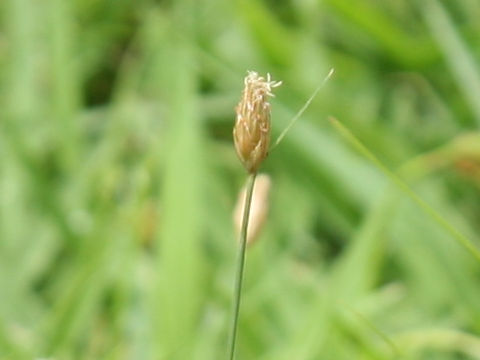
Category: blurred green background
<point>118,178</point>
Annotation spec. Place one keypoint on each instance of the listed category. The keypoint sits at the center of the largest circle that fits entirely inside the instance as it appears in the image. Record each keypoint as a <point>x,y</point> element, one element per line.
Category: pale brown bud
<point>251,132</point>
<point>258,209</point>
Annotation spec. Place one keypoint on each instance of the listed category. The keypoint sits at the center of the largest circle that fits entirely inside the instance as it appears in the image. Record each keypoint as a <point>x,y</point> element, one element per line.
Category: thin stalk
<point>240,265</point>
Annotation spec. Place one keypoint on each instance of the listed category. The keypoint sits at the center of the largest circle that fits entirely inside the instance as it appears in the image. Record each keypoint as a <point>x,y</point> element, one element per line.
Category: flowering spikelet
<point>251,132</point>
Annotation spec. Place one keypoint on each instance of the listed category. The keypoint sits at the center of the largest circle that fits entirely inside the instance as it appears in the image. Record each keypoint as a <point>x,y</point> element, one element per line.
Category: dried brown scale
<point>251,132</point>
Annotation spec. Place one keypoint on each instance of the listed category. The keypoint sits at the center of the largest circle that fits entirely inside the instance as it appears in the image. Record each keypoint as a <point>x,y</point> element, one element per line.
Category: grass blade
<point>456,234</point>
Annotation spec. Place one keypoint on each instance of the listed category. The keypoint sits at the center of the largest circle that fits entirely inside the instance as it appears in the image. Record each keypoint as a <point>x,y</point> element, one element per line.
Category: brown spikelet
<point>259,208</point>
<point>251,132</point>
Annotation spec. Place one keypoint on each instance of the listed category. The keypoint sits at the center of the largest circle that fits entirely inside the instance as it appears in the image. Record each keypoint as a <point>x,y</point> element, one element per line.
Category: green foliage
<point>118,178</point>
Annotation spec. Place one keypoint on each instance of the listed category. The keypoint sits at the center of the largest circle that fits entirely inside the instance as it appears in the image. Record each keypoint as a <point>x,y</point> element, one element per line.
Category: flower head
<point>251,132</point>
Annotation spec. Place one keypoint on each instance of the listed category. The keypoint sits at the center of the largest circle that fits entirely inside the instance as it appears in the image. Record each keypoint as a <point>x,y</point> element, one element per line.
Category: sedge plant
<point>251,135</point>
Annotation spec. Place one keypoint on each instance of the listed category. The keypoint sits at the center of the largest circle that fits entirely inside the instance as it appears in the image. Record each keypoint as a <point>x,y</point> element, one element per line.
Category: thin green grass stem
<point>456,234</point>
<point>240,265</point>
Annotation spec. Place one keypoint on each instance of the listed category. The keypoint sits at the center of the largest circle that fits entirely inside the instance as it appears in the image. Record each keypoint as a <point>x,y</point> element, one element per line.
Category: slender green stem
<point>240,265</point>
